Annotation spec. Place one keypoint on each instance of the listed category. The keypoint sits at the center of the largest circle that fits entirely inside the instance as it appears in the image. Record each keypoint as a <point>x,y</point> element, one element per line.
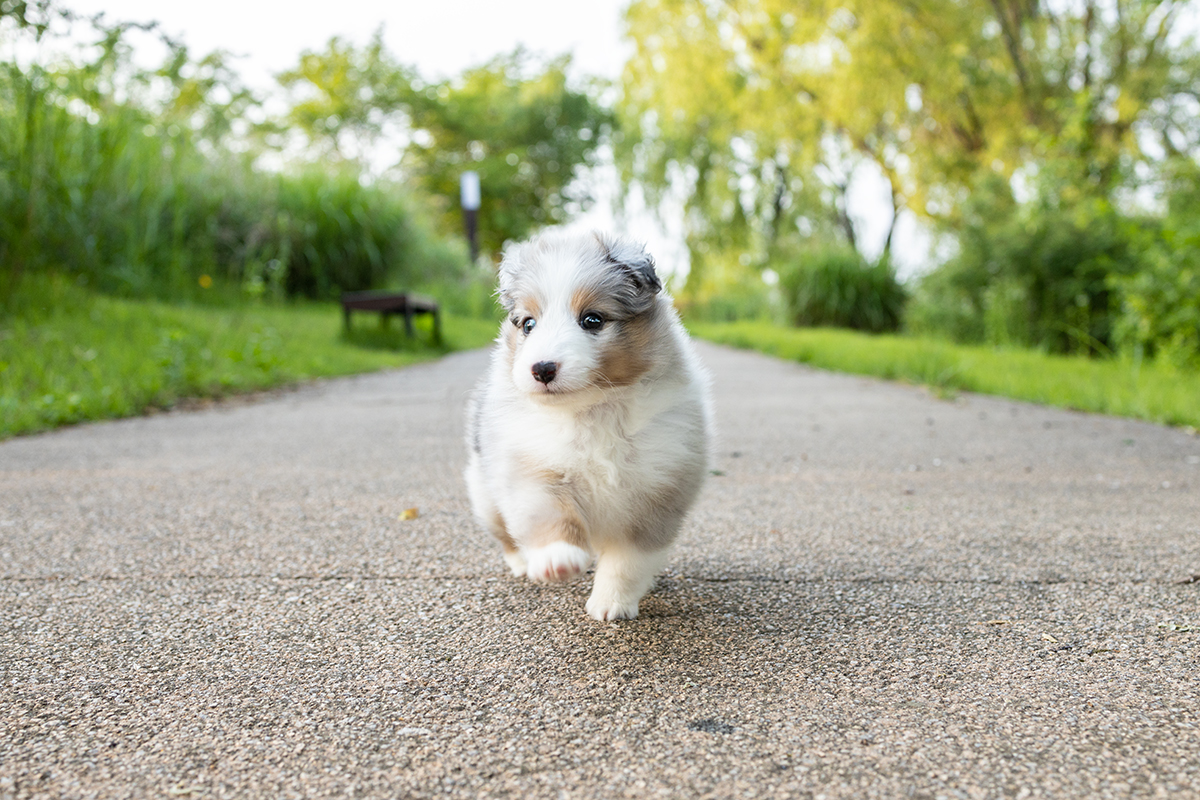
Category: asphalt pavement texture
<point>881,593</point>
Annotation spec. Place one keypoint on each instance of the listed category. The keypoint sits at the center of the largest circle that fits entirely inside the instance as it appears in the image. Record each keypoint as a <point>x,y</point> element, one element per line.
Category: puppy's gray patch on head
<point>633,258</point>
<point>636,283</point>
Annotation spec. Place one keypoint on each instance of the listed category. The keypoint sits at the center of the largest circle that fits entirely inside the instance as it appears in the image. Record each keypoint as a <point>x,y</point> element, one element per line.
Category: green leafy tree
<point>342,97</point>
<point>523,128</point>
<point>205,95</point>
<point>517,122</point>
<point>761,110</point>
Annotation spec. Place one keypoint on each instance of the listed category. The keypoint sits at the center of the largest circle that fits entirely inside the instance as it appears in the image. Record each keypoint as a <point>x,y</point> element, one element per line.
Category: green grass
<point>68,355</point>
<point>1119,387</point>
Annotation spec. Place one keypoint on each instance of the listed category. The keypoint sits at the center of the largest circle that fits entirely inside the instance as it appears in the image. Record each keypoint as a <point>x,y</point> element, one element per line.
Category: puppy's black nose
<point>544,371</point>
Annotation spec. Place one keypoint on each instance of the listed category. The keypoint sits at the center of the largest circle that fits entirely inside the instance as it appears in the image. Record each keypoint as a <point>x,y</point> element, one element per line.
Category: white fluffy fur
<point>603,461</point>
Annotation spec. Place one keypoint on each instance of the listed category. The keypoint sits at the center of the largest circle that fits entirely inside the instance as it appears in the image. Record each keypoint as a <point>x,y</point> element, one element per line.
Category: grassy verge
<point>67,355</point>
<point>1146,391</point>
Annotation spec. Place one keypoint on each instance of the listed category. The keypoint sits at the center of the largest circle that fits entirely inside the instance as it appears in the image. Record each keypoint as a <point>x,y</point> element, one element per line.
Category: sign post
<point>470,196</point>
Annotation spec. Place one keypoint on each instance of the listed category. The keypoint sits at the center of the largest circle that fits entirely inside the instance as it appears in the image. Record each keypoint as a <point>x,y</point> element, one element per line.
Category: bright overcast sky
<point>439,37</point>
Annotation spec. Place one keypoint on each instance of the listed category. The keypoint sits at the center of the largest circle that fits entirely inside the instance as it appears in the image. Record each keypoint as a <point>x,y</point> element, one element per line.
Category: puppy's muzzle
<point>544,371</point>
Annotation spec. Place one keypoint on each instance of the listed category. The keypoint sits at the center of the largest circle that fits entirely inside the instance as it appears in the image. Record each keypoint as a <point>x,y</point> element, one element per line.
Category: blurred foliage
<point>141,182</point>
<point>1160,303</point>
<point>836,287</point>
<point>341,98</point>
<point>1032,275</point>
<point>761,113</point>
<point>1082,278</point>
<point>24,15</point>
<point>515,121</point>
<point>1159,314</point>
<point>334,232</point>
<point>527,133</point>
<point>749,299</point>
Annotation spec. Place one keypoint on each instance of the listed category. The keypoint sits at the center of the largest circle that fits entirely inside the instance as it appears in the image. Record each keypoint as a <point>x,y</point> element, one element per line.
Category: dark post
<point>470,195</point>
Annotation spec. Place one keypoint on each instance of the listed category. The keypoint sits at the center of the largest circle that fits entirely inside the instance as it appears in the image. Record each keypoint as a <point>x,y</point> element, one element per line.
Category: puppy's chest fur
<point>596,452</point>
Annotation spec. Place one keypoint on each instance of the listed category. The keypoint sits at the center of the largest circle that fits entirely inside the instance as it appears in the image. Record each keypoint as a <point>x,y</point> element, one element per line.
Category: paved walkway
<point>881,594</point>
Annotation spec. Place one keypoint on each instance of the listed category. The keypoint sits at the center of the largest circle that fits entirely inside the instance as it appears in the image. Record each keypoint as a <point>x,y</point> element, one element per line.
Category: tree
<point>517,122</point>
<point>763,109</point>
<point>341,98</point>
<point>523,128</point>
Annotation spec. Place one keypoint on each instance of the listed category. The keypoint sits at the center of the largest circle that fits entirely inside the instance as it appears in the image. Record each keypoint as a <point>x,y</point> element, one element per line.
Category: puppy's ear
<point>510,268</point>
<point>632,259</point>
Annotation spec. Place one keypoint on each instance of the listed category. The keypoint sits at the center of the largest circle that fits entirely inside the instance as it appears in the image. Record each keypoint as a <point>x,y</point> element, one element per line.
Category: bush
<point>749,299</point>
<point>837,288</point>
<point>1159,313</point>
<point>1160,305</point>
<point>1038,275</point>
<point>140,205</point>
<point>332,233</point>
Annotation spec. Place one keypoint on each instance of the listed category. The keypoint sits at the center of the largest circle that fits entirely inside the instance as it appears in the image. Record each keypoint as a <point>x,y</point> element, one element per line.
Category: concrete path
<point>881,594</point>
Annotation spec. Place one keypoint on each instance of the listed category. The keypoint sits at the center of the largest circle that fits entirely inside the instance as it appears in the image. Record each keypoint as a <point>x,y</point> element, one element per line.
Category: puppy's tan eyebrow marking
<point>530,306</point>
<point>586,299</point>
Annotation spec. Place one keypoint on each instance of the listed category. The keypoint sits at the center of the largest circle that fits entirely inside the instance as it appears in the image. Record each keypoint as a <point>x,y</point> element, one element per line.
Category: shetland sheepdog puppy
<point>589,434</point>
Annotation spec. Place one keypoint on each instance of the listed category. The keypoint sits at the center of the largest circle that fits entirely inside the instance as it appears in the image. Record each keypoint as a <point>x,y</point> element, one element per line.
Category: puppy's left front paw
<point>607,609</point>
<point>557,561</point>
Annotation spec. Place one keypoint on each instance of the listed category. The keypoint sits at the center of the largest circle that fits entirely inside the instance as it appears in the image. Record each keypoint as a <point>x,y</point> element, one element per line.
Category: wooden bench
<point>388,303</point>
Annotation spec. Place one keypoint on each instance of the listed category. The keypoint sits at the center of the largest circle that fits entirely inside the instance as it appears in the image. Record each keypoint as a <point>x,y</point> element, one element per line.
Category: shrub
<point>1160,305</point>
<point>1159,314</point>
<point>1037,275</point>
<point>138,205</point>
<point>836,287</point>
<point>330,233</point>
<point>749,299</point>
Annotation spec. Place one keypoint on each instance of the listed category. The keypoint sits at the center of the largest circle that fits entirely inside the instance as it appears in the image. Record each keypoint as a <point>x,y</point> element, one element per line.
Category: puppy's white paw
<point>623,575</point>
<point>607,609</point>
<point>557,561</point>
<point>516,562</point>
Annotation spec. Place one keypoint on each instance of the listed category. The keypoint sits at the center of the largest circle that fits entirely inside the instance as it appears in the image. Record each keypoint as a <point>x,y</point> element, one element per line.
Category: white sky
<point>441,38</point>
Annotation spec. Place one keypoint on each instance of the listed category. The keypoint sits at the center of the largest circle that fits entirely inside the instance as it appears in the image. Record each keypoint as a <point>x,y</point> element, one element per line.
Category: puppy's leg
<point>558,547</point>
<point>489,515</point>
<point>512,554</point>
<point>623,574</point>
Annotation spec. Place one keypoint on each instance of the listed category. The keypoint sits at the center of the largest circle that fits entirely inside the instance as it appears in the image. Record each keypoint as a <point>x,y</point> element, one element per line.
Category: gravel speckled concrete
<point>881,594</point>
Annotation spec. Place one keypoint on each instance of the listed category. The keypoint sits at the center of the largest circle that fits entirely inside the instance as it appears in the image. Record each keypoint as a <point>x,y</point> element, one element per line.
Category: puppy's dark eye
<point>528,324</point>
<point>591,321</point>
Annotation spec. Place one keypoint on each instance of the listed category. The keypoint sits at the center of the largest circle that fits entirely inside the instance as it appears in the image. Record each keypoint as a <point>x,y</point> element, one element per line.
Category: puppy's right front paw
<point>557,561</point>
<point>610,609</point>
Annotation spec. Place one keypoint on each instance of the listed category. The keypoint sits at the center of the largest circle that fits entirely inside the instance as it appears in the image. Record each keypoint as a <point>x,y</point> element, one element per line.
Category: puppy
<point>589,434</point>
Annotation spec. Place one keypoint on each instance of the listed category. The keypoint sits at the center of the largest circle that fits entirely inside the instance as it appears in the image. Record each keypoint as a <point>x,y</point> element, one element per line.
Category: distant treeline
<point>151,182</point>
<point>1052,148</point>
<point>149,197</point>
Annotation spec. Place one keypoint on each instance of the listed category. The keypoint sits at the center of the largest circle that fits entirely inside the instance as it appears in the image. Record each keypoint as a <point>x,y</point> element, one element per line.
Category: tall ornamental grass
<point>138,203</point>
<point>836,287</point>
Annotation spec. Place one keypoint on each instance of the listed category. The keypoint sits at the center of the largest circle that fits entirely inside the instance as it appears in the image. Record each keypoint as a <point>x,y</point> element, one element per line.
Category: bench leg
<point>346,318</point>
<point>408,326</point>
